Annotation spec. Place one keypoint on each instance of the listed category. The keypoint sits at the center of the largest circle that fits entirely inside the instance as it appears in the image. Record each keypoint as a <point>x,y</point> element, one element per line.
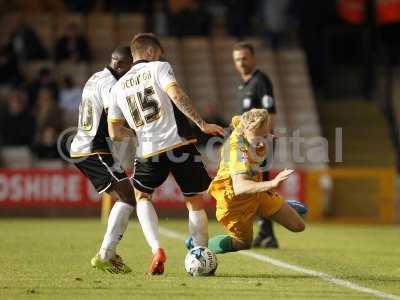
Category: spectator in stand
<point>274,18</point>
<point>193,19</point>
<point>388,34</point>
<point>44,80</point>
<point>17,125</point>
<point>73,46</point>
<point>24,43</point>
<point>46,146</point>
<point>239,17</point>
<point>50,122</point>
<point>48,111</point>
<point>70,98</point>
<point>9,71</point>
<point>80,6</point>
<point>159,16</point>
<point>124,6</point>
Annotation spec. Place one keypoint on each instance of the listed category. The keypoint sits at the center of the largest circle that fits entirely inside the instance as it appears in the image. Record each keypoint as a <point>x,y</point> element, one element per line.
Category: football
<point>200,261</point>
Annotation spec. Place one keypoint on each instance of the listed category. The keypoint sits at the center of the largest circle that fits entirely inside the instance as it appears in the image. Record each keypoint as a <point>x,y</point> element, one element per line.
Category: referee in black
<point>256,92</point>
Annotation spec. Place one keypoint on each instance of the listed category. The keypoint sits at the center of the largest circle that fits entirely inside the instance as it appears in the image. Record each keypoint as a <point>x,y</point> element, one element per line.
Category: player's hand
<point>282,176</point>
<point>212,129</point>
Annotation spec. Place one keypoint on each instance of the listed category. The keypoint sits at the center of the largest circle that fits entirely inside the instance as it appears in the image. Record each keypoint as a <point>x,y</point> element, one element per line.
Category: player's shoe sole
<point>298,206</point>
<point>113,266</point>
<point>117,260</point>
<point>157,263</point>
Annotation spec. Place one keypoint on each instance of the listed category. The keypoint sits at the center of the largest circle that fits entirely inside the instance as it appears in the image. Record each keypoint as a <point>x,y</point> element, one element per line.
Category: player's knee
<point>138,199</point>
<point>247,244</point>
<point>302,227</point>
<point>195,202</point>
<point>299,226</point>
<point>243,244</point>
<point>140,196</point>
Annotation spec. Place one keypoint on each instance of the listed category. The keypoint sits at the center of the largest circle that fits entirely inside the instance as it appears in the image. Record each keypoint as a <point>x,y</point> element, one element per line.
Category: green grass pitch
<point>50,259</point>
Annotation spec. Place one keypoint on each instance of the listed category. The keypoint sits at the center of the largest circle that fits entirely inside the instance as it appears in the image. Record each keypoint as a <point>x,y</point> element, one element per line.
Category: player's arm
<point>116,120</point>
<point>240,170</point>
<point>118,131</point>
<point>244,185</point>
<point>185,105</point>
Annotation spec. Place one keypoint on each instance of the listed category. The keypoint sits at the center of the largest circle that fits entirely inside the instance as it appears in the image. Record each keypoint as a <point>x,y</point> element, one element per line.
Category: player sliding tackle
<point>240,194</point>
<point>154,105</point>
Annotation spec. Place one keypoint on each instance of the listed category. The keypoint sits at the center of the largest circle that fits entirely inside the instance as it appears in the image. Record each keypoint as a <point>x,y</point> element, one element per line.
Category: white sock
<point>198,227</point>
<point>149,221</point>
<point>117,223</point>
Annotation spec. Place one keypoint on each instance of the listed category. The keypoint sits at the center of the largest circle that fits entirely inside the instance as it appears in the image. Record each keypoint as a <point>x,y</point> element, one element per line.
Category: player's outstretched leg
<point>221,244</point>
<point>149,222</point>
<point>240,228</point>
<point>241,233</point>
<point>107,259</point>
<point>289,218</point>
<point>266,236</point>
<point>225,243</point>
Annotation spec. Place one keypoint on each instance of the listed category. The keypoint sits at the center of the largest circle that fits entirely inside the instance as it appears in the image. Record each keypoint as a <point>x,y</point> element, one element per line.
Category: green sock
<point>221,244</point>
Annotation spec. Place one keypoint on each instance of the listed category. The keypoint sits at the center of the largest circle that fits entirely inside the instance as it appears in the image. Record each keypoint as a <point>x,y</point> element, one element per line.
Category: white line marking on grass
<point>281,264</point>
<point>323,276</point>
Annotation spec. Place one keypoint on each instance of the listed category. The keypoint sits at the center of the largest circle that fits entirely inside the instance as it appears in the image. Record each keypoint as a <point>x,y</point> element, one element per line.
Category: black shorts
<point>100,170</point>
<point>188,170</point>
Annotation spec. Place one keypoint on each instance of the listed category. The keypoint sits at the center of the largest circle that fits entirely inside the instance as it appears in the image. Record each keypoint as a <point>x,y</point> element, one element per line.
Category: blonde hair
<point>253,119</point>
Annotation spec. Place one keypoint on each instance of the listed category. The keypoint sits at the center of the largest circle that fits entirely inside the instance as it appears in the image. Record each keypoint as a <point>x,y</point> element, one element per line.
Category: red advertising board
<point>46,188</point>
<point>59,188</point>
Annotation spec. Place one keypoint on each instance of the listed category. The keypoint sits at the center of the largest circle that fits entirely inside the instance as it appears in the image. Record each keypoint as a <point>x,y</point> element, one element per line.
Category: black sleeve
<point>265,92</point>
<point>35,50</point>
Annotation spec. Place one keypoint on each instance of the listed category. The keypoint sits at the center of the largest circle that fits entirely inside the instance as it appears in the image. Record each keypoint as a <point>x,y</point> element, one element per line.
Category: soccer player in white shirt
<point>90,153</point>
<point>149,98</point>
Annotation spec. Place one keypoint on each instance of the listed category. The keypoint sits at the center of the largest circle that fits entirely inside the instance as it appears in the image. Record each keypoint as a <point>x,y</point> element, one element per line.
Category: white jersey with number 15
<point>141,99</point>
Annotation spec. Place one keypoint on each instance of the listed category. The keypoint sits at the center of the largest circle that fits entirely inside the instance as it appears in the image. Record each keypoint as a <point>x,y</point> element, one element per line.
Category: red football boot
<point>157,263</point>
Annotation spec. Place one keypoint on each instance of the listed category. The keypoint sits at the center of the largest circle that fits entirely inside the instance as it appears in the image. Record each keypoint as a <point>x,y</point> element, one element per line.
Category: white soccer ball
<point>201,261</point>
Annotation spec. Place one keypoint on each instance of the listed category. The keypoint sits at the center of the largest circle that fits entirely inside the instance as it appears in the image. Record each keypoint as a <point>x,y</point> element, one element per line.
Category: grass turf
<point>50,259</point>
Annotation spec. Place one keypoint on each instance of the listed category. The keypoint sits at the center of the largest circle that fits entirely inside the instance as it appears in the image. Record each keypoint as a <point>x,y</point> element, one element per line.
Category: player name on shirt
<point>136,80</point>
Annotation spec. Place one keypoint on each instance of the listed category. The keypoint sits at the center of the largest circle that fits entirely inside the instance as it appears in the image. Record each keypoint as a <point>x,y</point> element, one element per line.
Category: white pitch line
<point>284,265</point>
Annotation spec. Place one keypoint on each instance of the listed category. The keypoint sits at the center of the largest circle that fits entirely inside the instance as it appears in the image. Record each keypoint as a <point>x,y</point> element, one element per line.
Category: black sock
<point>266,228</point>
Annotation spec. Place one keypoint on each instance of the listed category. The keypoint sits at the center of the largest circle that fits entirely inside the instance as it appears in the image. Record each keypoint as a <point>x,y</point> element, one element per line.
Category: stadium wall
<point>359,195</point>
<point>66,192</point>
